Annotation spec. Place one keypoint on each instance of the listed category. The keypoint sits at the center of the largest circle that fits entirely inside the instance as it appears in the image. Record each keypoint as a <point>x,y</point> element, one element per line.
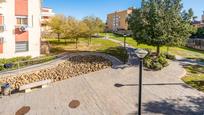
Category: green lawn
<point>97,45</point>
<point>181,51</point>
<point>195,74</point>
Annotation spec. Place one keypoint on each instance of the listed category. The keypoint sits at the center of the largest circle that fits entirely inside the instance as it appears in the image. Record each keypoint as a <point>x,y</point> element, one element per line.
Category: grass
<point>97,45</point>
<point>195,76</point>
<point>180,51</point>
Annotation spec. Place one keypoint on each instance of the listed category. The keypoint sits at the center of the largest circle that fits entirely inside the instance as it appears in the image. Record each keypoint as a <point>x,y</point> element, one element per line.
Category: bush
<point>156,66</point>
<point>170,56</point>
<point>155,62</point>
<point>162,60</point>
<point>148,62</point>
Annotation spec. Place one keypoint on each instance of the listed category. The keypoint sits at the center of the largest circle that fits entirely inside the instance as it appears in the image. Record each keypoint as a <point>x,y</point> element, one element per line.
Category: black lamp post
<point>140,54</point>
<point>124,58</point>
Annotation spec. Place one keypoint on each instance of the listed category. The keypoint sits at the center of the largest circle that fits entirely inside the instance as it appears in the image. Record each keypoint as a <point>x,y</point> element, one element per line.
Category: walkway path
<point>112,92</point>
<point>130,50</point>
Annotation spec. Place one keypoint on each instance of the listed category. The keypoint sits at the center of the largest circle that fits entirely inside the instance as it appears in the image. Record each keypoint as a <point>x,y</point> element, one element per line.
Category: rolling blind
<point>22,46</point>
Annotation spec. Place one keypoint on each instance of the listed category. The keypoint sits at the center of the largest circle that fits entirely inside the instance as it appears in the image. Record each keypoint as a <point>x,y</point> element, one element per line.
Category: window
<point>1,40</point>
<point>22,20</point>
<point>2,23</point>
<point>22,46</point>
<point>2,28</point>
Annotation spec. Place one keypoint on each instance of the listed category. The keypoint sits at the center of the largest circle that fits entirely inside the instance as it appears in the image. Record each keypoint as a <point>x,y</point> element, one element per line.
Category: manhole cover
<point>23,110</point>
<point>74,104</point>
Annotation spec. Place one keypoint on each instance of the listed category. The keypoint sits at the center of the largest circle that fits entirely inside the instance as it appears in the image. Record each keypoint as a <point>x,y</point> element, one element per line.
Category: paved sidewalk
<point>133,60</point>
<point>112,92</point>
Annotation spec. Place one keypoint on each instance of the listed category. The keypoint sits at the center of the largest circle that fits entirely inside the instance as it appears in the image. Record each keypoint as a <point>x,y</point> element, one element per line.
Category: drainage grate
<point>74,104</point>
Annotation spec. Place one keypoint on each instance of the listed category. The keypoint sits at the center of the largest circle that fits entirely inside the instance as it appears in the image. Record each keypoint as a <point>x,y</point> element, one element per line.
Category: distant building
<point>203,17</point>
<point>199,24</point>
<point>118,20</point>
<point>20,28</point>
<point>46,14</point>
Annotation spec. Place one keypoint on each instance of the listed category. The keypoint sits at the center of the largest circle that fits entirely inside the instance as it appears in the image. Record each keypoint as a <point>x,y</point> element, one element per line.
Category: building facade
<point>20,28</point>
<point>118,20</point>
<point>46,14</point>
<point>203,17</point>
<point>199,24</point>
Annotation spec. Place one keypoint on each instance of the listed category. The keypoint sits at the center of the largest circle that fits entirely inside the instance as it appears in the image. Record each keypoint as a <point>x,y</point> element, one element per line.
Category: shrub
<point>155,62</point>
<point>156,66</point>
<point>162,60</point>
<point>170,56</point>
<point>148,62</point>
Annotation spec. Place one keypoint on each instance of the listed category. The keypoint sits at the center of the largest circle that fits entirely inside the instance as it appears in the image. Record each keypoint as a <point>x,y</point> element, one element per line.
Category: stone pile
<point>73,66</point>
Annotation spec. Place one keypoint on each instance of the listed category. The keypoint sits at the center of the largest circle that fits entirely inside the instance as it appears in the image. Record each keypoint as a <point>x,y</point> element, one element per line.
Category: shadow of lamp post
<point>140,54</point>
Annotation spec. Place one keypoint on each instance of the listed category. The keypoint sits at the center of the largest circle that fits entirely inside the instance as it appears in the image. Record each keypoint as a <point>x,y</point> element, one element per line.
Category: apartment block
<point>203,17</point>
<point>20,28</point>
<point>46,14</point>
<point>118,20</point>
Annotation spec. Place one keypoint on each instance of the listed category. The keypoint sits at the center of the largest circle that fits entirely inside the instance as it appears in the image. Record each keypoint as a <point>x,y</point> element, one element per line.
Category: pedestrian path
<point>132,60</point>
<point>112,92</point>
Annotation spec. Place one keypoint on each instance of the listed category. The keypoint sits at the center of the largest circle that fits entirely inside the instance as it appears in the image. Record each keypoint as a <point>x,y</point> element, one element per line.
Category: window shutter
<point>21,46</point>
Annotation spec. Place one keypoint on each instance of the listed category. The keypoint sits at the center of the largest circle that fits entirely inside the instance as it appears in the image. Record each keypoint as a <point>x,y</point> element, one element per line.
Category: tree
<point>84,30</point>
<point>199,33</point>
<point>74,29</point>
<point>161,23</point>
<point>56,23</point>
<point>94,24</point>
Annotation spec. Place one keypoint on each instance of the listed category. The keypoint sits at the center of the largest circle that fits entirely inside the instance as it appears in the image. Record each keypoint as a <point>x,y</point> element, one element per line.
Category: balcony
<point>47,14</point>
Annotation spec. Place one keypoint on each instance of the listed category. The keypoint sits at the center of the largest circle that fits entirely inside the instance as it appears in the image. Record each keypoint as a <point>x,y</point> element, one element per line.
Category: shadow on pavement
<point>153,84</point>
<point>193,106</point>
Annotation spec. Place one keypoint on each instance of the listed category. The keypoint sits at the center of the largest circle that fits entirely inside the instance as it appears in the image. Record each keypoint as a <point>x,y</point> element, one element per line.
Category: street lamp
<point>140,54</point>
<point>124,58</point>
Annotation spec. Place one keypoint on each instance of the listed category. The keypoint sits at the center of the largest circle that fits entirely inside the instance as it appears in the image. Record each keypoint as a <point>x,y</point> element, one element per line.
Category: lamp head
<point>141,53</point>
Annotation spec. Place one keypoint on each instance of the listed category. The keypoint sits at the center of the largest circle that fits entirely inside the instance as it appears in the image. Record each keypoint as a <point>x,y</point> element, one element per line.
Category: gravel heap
<point>73,66</point>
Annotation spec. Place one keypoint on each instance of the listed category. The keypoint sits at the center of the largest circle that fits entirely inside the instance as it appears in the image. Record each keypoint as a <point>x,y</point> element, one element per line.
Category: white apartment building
<point>46,14</point>
<point>20,28</point>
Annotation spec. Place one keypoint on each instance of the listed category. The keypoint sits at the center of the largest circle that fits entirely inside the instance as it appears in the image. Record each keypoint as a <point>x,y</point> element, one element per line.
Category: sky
<point>100,8</point>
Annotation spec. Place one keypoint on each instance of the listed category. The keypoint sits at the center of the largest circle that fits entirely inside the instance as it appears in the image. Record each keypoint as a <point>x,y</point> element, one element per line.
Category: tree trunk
<point>58,37</point>
<point>65,40</point>
<point>90,39</point>
<point>158,50</point>
<point>76,43</point>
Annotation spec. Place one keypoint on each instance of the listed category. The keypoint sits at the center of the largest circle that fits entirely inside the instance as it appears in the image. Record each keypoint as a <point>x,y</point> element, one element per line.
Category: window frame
<point>22,20</point>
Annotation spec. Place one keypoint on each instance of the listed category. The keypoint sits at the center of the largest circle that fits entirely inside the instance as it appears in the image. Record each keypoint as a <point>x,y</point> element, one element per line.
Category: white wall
<point>8,9</point>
